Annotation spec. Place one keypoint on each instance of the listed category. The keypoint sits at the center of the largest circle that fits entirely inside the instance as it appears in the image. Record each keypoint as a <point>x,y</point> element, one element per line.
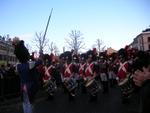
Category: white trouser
<point>112,75</point>
<point>103,77</point>
<point>27,106</point>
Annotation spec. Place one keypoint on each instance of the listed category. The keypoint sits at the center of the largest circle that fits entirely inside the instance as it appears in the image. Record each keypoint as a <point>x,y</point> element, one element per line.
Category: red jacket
<point>89,70</point>
<point>123,70</point>
<point>82,70</point>
<point>47,72</point>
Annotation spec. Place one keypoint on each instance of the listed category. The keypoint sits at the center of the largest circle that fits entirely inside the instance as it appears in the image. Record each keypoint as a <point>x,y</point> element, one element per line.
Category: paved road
<point>107,103</point>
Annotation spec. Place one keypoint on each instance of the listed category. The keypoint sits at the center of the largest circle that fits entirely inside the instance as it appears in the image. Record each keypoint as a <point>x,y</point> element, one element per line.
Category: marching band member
<point>91,72</point>
<point>123,72</point>
<point>111,73</point>
<point>103,68</point>
<point>103,73</point>
<point>82,68</point>
<point>56,71</point>
<point>75,63</point>
<point>48,77</point>
<point>69,75</point>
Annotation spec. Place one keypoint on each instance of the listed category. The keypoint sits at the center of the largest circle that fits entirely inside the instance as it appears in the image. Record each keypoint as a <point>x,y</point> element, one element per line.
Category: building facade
<point>6,52</point>
<point>142,41</point>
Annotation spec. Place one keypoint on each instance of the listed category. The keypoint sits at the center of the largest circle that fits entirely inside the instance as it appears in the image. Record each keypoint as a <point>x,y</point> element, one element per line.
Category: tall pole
<point>41,51</point>
<point>47,24</point>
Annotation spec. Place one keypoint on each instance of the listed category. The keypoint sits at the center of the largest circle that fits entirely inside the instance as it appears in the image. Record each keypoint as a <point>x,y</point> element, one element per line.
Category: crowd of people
<point>89,72</point>
<point>8,76</point>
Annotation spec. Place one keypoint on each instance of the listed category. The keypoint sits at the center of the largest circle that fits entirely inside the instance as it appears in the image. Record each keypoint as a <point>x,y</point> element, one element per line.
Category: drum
<point>70,84</point>
<point>92,86</point>
<point>127,86</point>
<point>50,86</point>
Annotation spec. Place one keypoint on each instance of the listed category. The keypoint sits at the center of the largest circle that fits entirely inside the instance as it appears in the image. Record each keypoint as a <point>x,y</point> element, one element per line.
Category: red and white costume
<point>89,70</point>
<point>67,71</point>
<point>123,70</point>
<point>82,70</point>
<point>47,72</point>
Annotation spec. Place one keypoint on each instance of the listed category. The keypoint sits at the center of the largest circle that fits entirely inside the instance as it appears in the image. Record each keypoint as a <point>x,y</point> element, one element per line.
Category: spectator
<point>2,74</point>
<point>141,79</point>
<point>26,71</point>
<point>10,70</point>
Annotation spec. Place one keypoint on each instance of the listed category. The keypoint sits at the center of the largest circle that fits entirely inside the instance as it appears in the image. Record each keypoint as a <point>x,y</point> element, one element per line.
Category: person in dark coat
<point>141,79</point>
<point>26,71</point>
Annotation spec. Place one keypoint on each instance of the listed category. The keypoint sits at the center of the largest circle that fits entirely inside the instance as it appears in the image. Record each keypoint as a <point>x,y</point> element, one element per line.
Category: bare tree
<point>103,48</point>
<point>53,48</point>
<point>40,41</point>
<point>75,41</point>
<point>56,50</point>
<point>29,48</point>
<point>100,45</point>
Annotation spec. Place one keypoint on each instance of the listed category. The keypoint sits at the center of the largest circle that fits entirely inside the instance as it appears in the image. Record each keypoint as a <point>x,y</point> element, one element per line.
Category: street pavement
<point>107,103</point>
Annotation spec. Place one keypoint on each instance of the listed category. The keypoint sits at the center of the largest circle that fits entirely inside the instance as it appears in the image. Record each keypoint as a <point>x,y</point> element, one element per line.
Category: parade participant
<point>112,71</point>
<point>27,73</point>
<point>103,72</point>
<point>75,63</point>
<point>111,75</point>
<point>123,72</point>
<point>56,70</point>
<point>82,67</point>
<point>48,76</point>
<point>61,65</point>
<point>91,72</point>
<point>69,75</point>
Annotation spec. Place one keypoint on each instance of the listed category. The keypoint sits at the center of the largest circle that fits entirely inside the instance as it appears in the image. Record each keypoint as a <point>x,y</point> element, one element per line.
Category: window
<point>0,57</point>
<point>148,39</point>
